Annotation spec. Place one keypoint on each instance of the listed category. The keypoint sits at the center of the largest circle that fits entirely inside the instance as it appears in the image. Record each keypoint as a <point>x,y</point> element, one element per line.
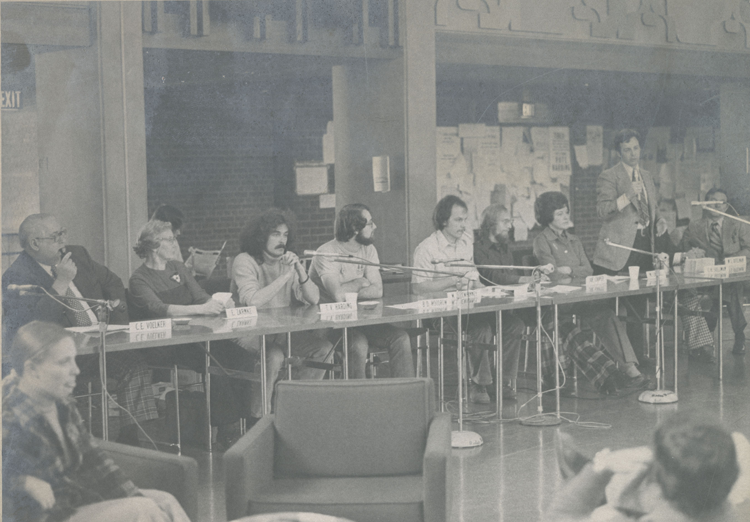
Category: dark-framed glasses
<point>56,236</point>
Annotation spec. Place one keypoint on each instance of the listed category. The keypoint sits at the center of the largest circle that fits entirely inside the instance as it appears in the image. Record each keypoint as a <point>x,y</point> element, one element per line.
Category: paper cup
<point>634,271</point>
<point>351,297</point>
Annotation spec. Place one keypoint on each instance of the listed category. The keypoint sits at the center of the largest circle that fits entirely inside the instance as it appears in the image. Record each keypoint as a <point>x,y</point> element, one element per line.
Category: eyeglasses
<point>56,236</point>
<point>167,239</point>
<point>370,223</point>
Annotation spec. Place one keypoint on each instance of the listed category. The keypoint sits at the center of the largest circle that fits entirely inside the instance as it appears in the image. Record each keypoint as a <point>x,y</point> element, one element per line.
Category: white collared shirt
<point>437,248</point>
<point>76,293</point>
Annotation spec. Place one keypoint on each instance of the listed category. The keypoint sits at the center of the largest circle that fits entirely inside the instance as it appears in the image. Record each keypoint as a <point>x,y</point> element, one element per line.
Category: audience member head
<point>628,143</point>
<point>552,210</point>
<point>695,463</point>
<point>444,209</point>
<point>716,194</point>
<point>43,356</point>
<point>171,215</point>
<point>43,238</point>
<point>496,223</point>
<point>355,221</point>
<point>270,233</point>
<point>156,238</point>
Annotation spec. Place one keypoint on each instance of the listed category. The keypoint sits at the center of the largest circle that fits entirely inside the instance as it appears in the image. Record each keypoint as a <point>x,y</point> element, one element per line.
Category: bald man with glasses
<point>69,271</point>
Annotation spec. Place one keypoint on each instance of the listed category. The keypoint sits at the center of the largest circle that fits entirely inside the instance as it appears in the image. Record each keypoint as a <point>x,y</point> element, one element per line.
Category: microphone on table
<point>703,203</point>
<point>315,253</point>
<point>445,261</point>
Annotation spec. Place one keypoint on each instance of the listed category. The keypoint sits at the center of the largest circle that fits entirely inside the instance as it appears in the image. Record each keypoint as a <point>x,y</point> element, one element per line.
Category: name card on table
<point>697,266</point>
<point>597,283</point>
<point>332,308</point>
<point>463,298</point>
<point>663,276</point>
<point>718,271</point>
<point>736,265</point>
<point>245,311</point>
<point>150,335</point>
<point>491,291</point>
<point>245,322</point>
<point>433,305</point>
<point>338,317</point>
<point>150,326</point>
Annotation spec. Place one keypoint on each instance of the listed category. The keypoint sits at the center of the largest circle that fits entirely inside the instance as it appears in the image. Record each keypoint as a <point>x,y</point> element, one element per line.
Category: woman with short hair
<point>52,470</point>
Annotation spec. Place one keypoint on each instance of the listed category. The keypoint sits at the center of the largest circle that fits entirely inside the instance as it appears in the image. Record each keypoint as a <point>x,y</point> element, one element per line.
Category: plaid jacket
<point>82,475</point>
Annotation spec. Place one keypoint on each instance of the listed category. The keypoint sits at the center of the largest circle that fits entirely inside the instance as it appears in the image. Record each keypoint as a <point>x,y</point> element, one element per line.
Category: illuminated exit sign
<point>11,100</point>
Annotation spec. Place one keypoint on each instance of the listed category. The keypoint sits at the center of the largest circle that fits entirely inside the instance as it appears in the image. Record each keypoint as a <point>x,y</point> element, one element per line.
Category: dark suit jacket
<point>619,226</point>
<point>735,239</point>
<point>93,280</point>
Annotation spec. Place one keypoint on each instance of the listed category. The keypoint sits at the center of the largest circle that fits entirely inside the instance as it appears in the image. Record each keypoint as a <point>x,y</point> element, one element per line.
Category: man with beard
<point>267,275</point>
<point>69,271</point>
<point>451,241</point>
<point>354,231</point>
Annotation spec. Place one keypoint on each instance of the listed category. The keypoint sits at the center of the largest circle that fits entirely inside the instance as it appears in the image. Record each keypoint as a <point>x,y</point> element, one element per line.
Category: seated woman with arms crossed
<point>564,250</point>
<point>163,287</point>
<point>51,468</point>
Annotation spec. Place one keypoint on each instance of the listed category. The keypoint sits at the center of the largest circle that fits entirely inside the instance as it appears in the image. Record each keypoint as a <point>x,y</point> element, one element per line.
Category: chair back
<point>203,262</point>
<point>355,428</point>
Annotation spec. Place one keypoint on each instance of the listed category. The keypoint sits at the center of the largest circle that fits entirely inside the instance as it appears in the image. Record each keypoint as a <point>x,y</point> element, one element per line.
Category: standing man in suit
<point>719,238</point>
<point>61,270</point>
<point>626,200</point>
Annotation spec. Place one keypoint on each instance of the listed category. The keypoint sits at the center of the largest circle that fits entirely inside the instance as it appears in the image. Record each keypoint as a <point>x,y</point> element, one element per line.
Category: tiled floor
<point>513,475</point>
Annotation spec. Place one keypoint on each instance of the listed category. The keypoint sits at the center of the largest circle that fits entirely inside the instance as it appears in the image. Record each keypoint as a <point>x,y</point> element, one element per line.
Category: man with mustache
<point>62,270</point>
<point>268,275</point>
<point>354,231</point>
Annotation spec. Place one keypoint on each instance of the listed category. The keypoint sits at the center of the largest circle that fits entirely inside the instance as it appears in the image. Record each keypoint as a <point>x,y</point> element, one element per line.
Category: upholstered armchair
<point>365,450</point>
<point>150,469</point>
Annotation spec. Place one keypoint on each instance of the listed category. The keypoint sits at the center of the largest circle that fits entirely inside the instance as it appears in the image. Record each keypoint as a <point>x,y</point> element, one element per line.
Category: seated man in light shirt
<point>354,231</point>
<point>452,242</point>
<point>267,275</point>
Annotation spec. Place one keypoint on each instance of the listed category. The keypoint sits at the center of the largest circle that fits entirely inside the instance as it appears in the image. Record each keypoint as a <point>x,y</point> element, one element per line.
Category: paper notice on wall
<point>327,201</point>
<point>559,146</point>
<point>594,144</point>
<point>520,232</point>
<point>381,173</point>
<point>471,130</point>
<point>666,181</point>
<point>582,155</point>
<point>311,179</point>
<point>683,208</point>
<point>328,145</point>
<point>523,208</point>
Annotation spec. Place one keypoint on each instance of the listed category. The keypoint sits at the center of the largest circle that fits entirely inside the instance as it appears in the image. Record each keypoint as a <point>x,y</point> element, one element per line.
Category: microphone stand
<point>660,395</point>
<point>708,207</point>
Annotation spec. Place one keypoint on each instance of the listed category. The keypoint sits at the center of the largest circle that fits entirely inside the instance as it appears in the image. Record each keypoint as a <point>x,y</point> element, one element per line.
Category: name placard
<point>338,317</point>
<point>718,271</point>
<point>150,335</point>
<point>736,265</point>
<point>491,291</point>
<point>432,305</point>
<point>246,322</point>
<point>696,266</point>
<point>663,275</point>
<point>153,325</point>
<point>332,308</point>
<point>245,311</point>
<point>597,283</point>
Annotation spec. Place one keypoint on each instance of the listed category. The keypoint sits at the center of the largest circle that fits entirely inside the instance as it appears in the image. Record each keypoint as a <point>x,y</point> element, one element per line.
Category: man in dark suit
<point>626,200</point>
<point>69,271</point>
<point>719,237</point>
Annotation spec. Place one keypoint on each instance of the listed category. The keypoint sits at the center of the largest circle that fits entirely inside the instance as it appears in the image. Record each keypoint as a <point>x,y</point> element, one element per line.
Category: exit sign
<point>11,100</point>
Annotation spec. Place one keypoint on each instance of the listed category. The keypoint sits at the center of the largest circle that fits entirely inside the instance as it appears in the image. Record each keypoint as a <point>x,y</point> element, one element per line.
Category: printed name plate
<point>332,308</point>
<point>245,322</point>
<point>431,305</point>
<point>148,326</point>
<point>461,299</point>
<point>663,275</point>
<point>736,265</point>
<point>338,317</point>
<point>696,266</point>
<point>245,311</point>
<point>491,291</point>
<point>597,283</point>
<point>150,335</point>
<point>719,271</point>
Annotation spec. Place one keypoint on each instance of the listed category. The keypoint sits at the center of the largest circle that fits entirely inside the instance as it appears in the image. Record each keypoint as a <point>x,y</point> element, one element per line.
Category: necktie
<point>714,238</point>
<point>81,317</point>
<point>643,217</point>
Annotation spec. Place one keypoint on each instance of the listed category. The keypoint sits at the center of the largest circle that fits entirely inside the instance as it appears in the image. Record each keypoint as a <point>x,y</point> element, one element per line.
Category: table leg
<point>289,355</point>
<point>720,357</point>
<point>104,396</point>
<point>426,349</point>
<point>556,340</point>
<point>676,339</point>
<point>499,366</point>
<point>346,352</point>
<point>208,395</point>
<point>263,377</point>
<point>441,368</point>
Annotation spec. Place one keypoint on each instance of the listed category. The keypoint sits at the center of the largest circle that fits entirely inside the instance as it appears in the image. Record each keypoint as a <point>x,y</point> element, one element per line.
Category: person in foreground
<point>52,468</point>
<point>267,275</point>
<point>693,472</point>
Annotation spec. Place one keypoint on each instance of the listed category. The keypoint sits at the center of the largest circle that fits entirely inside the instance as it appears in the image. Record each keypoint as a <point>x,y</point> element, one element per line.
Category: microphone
<point>23,288</point>
<point>547,269</point>
<point>702,203</point>
<point>445,261</point>
<point>313,253</point>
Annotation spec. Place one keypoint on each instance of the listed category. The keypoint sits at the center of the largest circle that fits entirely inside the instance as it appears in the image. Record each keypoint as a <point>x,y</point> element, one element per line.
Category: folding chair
<point>203,262</point>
